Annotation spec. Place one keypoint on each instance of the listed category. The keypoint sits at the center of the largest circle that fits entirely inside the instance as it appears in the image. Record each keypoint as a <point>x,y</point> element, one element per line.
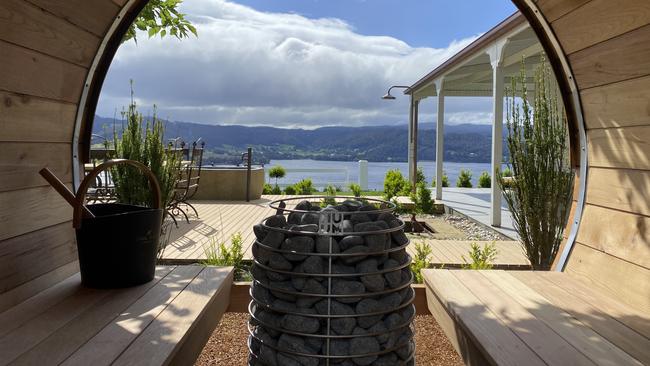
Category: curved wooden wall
<point>49,49</point>
<point>608,48</point>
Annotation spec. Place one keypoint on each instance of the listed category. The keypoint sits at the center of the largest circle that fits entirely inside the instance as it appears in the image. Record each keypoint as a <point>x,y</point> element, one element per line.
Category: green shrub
<point>484,180</point>
<point>276,190</point>
<point>539,196</point>
<point>330,192</point>
<point>420,261</point>
<point>422,199</point>
<point>304,187</point>
<point>464,179</point>
<point>218,254</point>
<point>268,189</point>
<point>144,142</point>
<point>355,189</point>
<point>445,180</point>
<point>277,172</point>
<point>481,258</point>
<point>290,190</point>
<point>395,184</point>
<point>420,177</point>
<point>507,172</point>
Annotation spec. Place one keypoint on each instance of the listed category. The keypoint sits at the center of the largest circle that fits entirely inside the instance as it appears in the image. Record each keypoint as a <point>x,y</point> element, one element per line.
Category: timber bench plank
<point>165,321</point>
<point>523,317</point>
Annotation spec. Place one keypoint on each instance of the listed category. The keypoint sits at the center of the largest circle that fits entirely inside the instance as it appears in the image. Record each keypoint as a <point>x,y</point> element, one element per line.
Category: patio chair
<point>188,182</point>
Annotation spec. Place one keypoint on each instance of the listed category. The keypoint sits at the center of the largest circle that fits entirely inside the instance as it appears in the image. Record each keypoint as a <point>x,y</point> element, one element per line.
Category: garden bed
<point>227,346</point>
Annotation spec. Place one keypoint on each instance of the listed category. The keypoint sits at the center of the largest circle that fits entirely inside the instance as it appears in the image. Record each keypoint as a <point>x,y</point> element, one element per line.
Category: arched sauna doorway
<point>54,56</point>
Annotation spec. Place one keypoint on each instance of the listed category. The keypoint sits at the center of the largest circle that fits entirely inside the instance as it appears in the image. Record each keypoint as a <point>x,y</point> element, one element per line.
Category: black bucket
<point>117,248</point>
<point>117,243</point>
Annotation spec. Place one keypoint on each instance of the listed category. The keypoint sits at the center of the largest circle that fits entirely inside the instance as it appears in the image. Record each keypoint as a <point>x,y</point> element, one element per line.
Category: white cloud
<point>251,67</point>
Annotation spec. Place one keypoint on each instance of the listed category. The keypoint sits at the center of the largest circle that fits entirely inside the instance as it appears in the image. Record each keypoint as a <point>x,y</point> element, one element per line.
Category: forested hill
<point>463,143</point>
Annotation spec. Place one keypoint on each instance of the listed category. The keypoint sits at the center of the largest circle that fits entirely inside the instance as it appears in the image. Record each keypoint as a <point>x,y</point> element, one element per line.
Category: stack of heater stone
<point>341,299</point>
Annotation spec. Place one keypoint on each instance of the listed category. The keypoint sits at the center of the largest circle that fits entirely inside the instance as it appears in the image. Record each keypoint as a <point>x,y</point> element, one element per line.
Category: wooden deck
<point>535,318</point>
<point>219,220</point>
<point>163,322</point>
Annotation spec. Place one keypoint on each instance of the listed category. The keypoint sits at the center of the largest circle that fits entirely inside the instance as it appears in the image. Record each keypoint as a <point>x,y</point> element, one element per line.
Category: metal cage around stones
<point>331,285</point>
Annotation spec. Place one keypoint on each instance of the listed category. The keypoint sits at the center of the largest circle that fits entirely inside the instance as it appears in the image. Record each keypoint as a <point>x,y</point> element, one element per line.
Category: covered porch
<point>483,69</point>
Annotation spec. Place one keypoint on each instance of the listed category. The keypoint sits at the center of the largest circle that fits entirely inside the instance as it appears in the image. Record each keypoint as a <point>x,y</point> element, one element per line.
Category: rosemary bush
<point>484,180</point>
<point>482,258</point>
<point>464,179</point>
<point>540,195</point>
<point>143,141</point>
<point>420,260</point>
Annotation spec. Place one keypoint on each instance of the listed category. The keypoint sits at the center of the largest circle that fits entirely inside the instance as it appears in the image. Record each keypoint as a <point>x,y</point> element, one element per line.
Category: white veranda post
<point>413,141</point>
<point>496,55</point>
<point>440,129</point>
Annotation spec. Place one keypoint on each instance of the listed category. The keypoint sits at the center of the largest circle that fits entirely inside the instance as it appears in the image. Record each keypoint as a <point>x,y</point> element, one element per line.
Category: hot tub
<point>229,183</point>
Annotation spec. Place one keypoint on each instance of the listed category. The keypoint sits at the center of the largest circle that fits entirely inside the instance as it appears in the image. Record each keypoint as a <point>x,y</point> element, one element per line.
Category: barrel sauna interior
<point>54,56</point>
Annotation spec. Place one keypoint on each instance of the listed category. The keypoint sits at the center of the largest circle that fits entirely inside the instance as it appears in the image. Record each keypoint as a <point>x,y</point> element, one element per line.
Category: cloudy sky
<point>301,63</point>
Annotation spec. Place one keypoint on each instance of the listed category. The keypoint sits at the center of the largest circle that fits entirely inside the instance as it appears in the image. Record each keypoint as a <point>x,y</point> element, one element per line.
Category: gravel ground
<point>227,345</point>
<point>473,230</point>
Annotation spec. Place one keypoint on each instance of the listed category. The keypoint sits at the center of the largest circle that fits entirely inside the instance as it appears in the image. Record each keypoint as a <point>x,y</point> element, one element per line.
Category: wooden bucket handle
<point>90,177</point>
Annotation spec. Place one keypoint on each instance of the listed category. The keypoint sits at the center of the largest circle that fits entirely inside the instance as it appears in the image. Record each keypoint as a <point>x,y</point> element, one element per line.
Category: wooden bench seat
<point>166,321</point>
<point>535,318</point>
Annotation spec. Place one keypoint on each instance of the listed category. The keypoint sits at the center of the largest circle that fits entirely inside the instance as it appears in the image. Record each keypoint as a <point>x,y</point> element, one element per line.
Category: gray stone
<point>341,208</point>
<point>310,228</point>
<point>370,226</point>
<point>276,221</point>
<point>298,282</point>
<point>376,242</point>
<point>351,241</point>
<point>374,283</point>
<point>386,217</point>
<point>323,245</point>
<point>287,360</point>
<point>262,255</point>
<point>262,294</point>
<point>363,345</point>
<point>310,218</point>
<point>346,287</point>
<point>358,218</point>
<point>367,306</point>
<point>311,287</point>
<point>299,323</point>
<point>367,266</point>
<point>408,312</point>
<point>399,255</point>
<point>393,320</point>
<point>285,306</point>
<point>367,207</point>
<point>300,244</point>
<point>273,239</point>
<point>277,261</point>
<point>391,301</point>
<point>294,218</point>
<point>270,320</point>
<point>338,268</point>
<point>260,231</point>
<point>406,294</point>
<point>335,308</point>
<point>393,278</point>
<point>303,205</point>
<point>354,250</point>
<point>283,285</point>
<point>352,205</point>
<point>388,359</point>
<point>269,355</point>
<point>316,344</point>
<point>380,331</point>
<point>405,351</point>
<point>259,274</point>
<point>398,236</point>
<point>339,347</point>
<point>343,326</point>
<point>313,264</point>
<point>275,276</point>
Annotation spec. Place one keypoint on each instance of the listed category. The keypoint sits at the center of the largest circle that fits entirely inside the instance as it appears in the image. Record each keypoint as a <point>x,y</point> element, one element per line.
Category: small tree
<point>539,197</point>
<point>422,199</point>
<point>481,258</point>
<point>290,190</point>
<point>420,260</point>
<point>395,184</point>
<point>445,180</point>
<point>277,172</point>
<point>305,187</point>
<point>464,179</point>
<point>484,180</point>
<point>355,189</point>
